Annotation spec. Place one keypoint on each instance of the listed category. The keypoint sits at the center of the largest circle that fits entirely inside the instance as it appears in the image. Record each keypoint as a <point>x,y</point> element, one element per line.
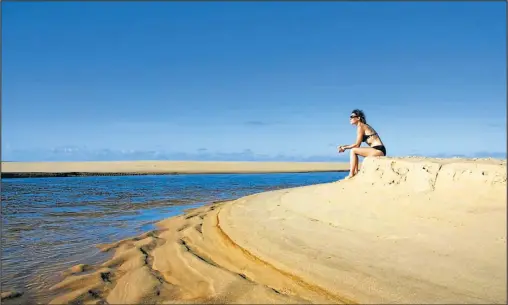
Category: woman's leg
<point>353,163</point>
<point>361,151</point>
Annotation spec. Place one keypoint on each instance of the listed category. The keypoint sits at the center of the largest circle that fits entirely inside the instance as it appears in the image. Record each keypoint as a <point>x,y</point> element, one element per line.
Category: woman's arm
<point>359,136</point>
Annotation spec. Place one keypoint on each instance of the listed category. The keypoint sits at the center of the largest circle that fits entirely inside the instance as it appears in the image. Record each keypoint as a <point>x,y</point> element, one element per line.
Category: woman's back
<point>370,136</point>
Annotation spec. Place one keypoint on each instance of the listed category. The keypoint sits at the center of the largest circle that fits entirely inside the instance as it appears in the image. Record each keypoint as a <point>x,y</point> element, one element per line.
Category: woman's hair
<point>360,115</point>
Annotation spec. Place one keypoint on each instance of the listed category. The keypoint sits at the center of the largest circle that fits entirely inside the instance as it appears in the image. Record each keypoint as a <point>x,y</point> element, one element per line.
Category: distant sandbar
<point>121,168</point>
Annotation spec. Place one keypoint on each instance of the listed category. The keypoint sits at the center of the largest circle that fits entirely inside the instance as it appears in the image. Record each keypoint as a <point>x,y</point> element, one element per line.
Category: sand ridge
<point>51,169</point>
<point>405,230</point>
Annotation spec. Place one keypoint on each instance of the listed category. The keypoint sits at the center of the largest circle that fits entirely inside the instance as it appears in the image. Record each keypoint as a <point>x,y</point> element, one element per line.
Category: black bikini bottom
<point>381,148</point>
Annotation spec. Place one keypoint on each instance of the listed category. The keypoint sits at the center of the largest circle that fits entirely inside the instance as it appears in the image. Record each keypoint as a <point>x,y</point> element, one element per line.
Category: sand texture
<point>48,169</point>
<point>409,230</point>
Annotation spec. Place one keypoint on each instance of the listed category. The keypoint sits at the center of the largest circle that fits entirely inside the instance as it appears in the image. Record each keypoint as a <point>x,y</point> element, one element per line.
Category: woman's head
<point>357,116</point>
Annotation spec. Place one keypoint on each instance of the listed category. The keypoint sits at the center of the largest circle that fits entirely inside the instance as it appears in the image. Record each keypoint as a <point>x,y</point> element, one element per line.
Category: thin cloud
<point>83,154</point>
<point>496,125</point>
<point>256,123</point>
<point>486,154</point>
<point>72,153</point>
<point>480,154</point>
<point>261,123</point>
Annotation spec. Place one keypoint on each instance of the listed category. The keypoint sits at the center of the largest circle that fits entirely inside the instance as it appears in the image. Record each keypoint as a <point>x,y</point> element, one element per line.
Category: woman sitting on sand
<point>364,133</point>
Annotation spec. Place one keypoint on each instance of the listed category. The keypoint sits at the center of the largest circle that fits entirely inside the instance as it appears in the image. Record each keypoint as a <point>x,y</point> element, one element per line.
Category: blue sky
<point>250,80</point>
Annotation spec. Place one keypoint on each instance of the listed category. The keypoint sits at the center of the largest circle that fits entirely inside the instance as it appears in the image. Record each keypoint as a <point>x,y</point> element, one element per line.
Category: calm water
<point>50,224</point>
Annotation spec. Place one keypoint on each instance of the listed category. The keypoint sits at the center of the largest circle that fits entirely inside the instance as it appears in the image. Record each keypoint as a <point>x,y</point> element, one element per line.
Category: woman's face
<point>353,119</point>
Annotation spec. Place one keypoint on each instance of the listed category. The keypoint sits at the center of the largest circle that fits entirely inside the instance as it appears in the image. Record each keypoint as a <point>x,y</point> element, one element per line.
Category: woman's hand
<point>341,149</point>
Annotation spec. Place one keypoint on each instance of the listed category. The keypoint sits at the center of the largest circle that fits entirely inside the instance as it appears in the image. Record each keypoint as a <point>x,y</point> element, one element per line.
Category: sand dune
<point>403,231</point>
<point>23,169</point>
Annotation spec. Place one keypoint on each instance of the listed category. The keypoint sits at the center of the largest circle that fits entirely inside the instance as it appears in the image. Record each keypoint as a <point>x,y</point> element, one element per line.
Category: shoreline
<point>126,168</point>
<point>310,245</point>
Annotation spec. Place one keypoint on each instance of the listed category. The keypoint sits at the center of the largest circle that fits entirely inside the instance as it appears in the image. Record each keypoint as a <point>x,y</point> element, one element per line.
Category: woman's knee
<point>353,151</point>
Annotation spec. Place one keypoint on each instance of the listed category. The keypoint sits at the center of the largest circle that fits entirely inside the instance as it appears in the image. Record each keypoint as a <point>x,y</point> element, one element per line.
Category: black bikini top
<point>366,137</point>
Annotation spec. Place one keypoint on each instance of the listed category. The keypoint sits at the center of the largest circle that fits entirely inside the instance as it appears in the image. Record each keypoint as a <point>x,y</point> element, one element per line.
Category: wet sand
<point>409,230</point>
<point>64,169</point>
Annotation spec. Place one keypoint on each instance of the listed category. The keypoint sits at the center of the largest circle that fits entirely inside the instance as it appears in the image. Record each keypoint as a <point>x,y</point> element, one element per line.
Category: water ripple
<point>50,224</point>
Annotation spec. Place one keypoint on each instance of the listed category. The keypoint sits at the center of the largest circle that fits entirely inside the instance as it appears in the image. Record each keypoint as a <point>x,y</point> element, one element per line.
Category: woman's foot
<point>349,177</point>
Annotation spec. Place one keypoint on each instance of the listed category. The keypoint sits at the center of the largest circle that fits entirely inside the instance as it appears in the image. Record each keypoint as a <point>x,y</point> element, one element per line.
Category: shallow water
<point>51,224</point>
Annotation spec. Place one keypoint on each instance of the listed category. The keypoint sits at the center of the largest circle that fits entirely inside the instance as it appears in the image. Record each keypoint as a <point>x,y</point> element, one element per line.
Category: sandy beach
<point>49,169</point>
<point>408,230</point>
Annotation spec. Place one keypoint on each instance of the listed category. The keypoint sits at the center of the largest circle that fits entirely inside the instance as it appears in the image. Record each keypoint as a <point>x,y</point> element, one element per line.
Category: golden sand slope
<point>403,231</point>
<point>169,167</point>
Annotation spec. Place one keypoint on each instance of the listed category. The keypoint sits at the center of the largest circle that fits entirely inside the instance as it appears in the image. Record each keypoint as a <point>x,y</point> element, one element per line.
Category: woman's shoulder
<point>368,128</point>
<point>363,127</point>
